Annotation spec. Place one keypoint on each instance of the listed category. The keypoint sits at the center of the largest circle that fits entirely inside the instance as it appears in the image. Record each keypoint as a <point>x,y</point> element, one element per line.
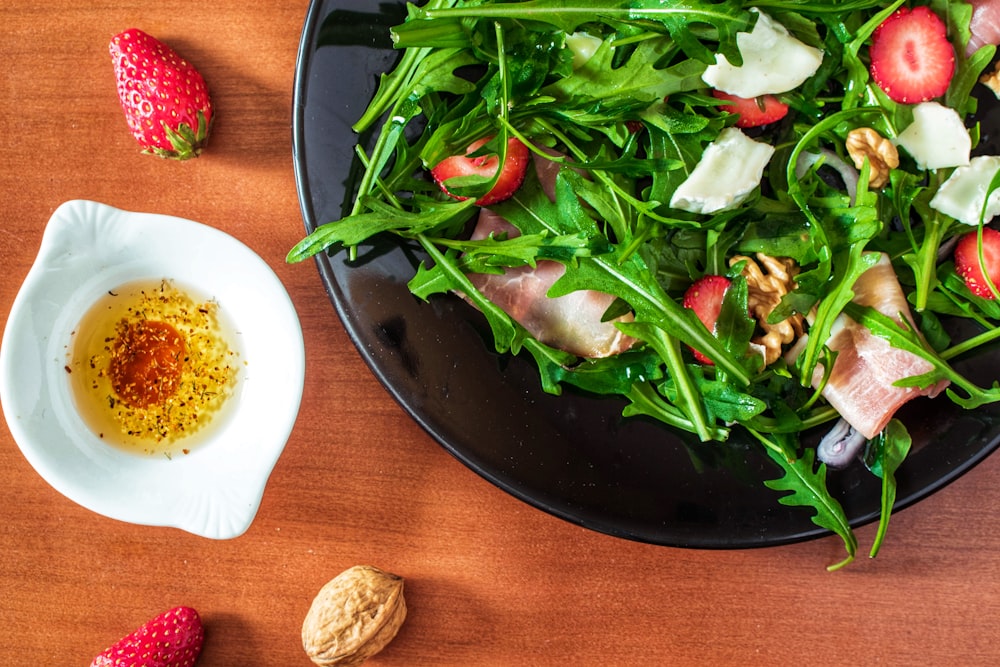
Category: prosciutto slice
<point>860,386</point>
<point>572,323</point>
<point>985,24</point>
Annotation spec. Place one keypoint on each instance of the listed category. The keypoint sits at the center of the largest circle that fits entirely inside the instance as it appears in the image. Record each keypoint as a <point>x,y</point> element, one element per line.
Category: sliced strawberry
<point>967,262</point>
<point>911,57</point>
<point>704,297</point>
<point>172,639</point>
<point>753,112</point>
<point>511,174</point>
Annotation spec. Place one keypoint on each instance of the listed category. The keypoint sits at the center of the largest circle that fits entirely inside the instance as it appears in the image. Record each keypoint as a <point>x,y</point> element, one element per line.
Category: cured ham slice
<point>572,323</point>
<point>985,24</point>
<point>860,386</point>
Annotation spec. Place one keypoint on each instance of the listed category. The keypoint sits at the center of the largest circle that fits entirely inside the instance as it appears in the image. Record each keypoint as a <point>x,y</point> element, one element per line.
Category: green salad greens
<point>629,119</point>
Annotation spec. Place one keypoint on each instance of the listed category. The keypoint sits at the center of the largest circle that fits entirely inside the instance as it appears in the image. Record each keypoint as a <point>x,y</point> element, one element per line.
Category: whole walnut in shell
<point>354,616</point>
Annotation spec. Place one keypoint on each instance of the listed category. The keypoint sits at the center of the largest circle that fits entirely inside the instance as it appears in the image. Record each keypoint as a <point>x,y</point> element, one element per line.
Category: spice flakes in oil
<point>152,367</point>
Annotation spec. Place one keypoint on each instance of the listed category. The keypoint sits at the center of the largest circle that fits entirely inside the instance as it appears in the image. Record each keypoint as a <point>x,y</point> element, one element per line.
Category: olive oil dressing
<point>153,367</point>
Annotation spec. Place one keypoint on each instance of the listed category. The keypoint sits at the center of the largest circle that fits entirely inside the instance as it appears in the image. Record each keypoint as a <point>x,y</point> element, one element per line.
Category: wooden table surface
<point>489,580</point>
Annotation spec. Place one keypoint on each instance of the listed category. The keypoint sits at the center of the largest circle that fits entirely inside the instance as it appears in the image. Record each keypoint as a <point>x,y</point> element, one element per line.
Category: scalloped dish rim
<point>88,248</point>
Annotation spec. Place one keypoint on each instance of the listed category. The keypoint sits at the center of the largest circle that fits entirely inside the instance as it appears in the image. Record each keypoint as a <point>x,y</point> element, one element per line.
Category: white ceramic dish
<point>89,248</point>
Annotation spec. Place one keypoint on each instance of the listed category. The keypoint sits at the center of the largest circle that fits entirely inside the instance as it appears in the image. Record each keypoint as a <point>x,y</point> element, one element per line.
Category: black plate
<point>573,456</point>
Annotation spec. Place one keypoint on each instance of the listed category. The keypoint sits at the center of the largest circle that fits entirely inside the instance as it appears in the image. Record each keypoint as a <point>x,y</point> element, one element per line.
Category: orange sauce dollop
<point>147,361</point>
<point>152,367</point>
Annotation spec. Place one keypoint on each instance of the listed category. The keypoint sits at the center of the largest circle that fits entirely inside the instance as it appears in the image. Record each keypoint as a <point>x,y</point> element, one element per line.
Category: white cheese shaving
<point>729,170</point>
<point>584,46</point>
<point>773,62</point>
<point>962,196</point>
<point>936,138</point>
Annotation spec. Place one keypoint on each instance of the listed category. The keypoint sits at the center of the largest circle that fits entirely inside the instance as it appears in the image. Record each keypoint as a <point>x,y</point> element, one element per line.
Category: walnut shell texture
<point>354,616</point>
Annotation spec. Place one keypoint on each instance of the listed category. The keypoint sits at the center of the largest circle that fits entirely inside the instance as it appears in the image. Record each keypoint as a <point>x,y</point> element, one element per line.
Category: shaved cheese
<point>936,138</point>
<point>729,170</point>
<point>963,195</point>
<point>584,46</point>
<point>773,62</point>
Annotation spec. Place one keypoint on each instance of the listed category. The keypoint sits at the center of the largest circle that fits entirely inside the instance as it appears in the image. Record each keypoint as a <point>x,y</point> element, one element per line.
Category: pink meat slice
<point>860,386</point>
<point>985,24</point>
<point>572,323</point>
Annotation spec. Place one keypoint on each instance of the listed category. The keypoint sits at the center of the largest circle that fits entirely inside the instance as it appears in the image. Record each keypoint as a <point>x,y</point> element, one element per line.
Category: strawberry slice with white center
<point>705,297</point>
<point>511,173</point>
<point>911,57</point>
<point>753,111</point>
<point>967,262</point>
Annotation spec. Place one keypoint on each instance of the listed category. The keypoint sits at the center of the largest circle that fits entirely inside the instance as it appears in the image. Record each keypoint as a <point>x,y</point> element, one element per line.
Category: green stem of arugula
<point>967,309</point>
<point>970,344</point>
<point>928,252</point>
<point>380,185</point>
<point>818,8</point>
<point>821,327</point>
<point>369,177</point>
<point>818,391</point>
<point>925,273</point>
<point>817,417</point>
<point>625,12</point>
<point>645,395</point>
<point>987,199</point>
<point>387,94</point>
<point>688,399</point>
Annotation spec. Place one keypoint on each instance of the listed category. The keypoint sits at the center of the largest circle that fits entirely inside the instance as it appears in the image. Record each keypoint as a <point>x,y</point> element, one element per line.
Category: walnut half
<point>864,142</point>
<point>764,293</point>
<point>991,79</point>
<point>354,616</point>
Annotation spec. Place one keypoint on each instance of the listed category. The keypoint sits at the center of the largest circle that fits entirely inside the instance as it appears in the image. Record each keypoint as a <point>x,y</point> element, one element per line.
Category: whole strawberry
<point>172,639</point>
<point>165,99</point>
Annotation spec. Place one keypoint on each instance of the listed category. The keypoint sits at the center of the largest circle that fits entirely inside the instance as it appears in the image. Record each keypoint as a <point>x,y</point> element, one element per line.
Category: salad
<point>734,215</point>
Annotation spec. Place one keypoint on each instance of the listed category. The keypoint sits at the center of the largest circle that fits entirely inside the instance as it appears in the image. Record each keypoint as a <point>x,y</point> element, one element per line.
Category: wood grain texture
<point>489,580</point>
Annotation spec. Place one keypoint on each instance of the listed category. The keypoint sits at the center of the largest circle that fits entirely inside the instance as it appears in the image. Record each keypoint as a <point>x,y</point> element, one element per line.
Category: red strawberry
<point>704,297</point>
<point>511,174</point>
<point>634,126</point>
<point>967,261</point>
<point>753,112</point>
<point>164,97</point>
<point>911,57</point>
<point>172,639</point>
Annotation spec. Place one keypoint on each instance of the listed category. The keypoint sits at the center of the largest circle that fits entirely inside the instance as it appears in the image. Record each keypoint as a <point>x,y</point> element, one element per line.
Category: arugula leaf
<point>884,456</point>
<point>806,487</point>
<point>597,84</point>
